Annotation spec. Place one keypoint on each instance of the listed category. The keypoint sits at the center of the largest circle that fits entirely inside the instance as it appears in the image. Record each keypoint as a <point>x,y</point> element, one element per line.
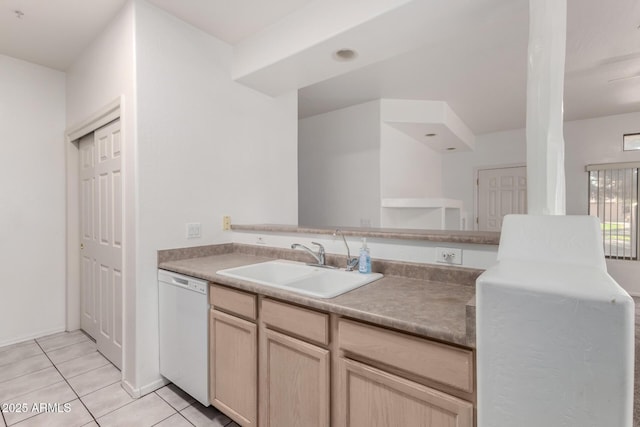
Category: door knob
<point>81,246</point>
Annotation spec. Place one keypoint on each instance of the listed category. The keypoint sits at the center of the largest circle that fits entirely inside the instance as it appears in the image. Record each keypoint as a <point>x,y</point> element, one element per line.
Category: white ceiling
<point>480,72</point>
<point>230,21</point>
<point>52,32</point>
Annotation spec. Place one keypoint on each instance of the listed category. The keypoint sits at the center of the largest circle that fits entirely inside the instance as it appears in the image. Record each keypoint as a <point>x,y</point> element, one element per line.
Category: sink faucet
<point>319,257</point>
<point>351,262</point>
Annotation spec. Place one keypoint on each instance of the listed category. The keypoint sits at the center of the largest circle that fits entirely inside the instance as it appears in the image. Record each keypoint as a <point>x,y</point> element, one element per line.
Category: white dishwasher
<point>184,333</point>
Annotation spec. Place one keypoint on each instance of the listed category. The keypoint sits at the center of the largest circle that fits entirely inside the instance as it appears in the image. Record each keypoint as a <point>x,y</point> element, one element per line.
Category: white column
<point>545,85</point>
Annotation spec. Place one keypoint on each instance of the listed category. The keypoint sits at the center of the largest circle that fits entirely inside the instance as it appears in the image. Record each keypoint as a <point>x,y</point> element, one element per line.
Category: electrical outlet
<point>365,222</point>
<point>194,230</point>
<point>449,255</point>
<point>226,223</point>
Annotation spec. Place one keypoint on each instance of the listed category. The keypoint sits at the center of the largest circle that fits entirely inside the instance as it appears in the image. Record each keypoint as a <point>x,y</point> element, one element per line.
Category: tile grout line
<point>43,340</point>
<point>35,415</point>
<point>13,349</point>
<point>78,357</point>
<point>28,373</point>
<point>178,412</point>
<point>79,332</point>
<point>83,333</point>
<point>188,406</point>
<point>138,398</point>
<point>187,419</point>
<point>35,389</point>
<point>80,398</point>
<point>15,345</point>
<point>65,380</point>
<point>101,388</point>
<point>135,399</point>
<point>92,369</point>
<point>64,346</point>
<point>13,361</point>
<point>74,358</point>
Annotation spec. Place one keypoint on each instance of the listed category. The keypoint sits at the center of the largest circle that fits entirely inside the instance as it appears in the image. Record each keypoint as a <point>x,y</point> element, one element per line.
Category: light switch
<point>226,223</point>
<point>194,230</point>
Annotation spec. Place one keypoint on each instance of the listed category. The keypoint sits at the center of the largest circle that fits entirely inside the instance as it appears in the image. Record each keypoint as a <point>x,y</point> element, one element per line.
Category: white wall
<point>408,168</point>
<point>104,72</point>
<point>473,255</point>
<point>349,159</point>
<point>592,141</point>
<point>459,169</point>
<point>32,239</point>
<point>339,167</point>
<point>197,146</point>
<point>207,147</point>
<point>589,141</point>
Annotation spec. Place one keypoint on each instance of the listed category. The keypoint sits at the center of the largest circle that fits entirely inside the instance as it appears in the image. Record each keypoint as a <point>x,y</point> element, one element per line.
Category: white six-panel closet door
<point>101,239</point>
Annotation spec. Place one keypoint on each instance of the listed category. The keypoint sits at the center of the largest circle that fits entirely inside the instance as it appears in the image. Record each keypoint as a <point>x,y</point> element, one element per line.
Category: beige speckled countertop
<point>432,309</point>
<point>451,236</point>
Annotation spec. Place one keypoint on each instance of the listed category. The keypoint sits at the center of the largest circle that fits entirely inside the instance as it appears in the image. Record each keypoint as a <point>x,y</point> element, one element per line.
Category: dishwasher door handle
<point>179,281</point>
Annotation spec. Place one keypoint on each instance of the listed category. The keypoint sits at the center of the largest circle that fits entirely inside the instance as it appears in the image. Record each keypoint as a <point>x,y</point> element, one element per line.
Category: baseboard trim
<point>146,389</point>
<point>159,383</point>
<point>32,336</point>
<point>133,392</point>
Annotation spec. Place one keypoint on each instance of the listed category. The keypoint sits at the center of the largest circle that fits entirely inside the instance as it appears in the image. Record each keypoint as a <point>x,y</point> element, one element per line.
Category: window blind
<point>613,197</point>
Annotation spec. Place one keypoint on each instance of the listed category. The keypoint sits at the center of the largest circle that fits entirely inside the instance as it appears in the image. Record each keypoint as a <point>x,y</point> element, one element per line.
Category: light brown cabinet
<point>294,369</point>
<point>389,378</point>
<point>295,382</point>
<point>277,364</point>
<point>443,365</point>
<point>233,360</point>
<point>375,398</point>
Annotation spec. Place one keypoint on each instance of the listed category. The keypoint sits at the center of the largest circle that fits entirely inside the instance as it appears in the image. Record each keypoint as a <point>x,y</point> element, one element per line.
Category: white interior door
<point>101,239</point>
<point>88,291</point>
<point>500,192</point>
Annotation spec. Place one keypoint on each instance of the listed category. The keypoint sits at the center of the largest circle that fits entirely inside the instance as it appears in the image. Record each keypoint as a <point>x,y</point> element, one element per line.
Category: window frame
<point>605,168</point>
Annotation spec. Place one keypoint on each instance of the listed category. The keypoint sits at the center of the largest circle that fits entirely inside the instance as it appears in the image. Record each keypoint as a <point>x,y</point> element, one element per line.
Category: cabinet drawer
<point>230,300</point>
<point>445,364</point>
<point>372,397</point>
<point>304,323</point>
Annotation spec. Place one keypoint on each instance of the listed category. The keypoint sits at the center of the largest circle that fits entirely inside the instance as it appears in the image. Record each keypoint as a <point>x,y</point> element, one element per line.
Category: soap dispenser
<point>365,258</point>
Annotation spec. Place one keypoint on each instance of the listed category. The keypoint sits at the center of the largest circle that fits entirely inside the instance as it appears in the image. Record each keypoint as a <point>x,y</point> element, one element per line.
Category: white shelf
<point>421,213</point>
<point>426,203</point>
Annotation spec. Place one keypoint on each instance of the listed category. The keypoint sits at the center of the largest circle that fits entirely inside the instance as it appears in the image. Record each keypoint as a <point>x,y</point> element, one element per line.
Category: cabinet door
<point>234,364</point>
<point>374,398</point>
<point>295,382</point>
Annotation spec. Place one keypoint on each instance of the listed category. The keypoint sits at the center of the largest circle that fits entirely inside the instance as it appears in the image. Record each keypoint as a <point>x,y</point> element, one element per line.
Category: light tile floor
<point>82,388</point>
<point>66,368</point>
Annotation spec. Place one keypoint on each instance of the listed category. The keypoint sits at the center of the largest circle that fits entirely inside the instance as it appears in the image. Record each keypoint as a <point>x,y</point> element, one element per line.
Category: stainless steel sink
<point>301,278</point>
